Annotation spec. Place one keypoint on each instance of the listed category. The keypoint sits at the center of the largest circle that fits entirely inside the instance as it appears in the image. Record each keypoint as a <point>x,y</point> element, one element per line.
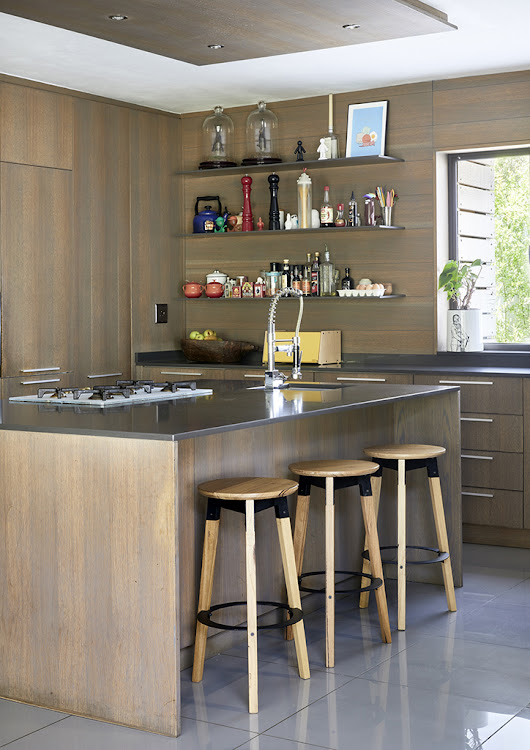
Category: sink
<point>294,386</point>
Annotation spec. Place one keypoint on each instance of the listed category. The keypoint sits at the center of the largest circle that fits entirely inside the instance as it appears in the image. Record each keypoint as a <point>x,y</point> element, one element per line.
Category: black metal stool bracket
<point>204,616</point>
<point>440,556</point>
<point>375,582</point>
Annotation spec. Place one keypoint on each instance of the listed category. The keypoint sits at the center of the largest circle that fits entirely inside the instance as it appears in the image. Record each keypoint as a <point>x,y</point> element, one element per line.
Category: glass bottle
<point>296,280</point>
<point>273,280</point>
<point>327,276</point>
<point>262,137</point>
<point>339,218</point>
<point>306,277</point>
<point>217,141</point>
<point>326,210</point>
<point>305,200</point>
<point>286,274</point>
<point>347,282</point>
<point>315,276</point>
<point>353,212</point>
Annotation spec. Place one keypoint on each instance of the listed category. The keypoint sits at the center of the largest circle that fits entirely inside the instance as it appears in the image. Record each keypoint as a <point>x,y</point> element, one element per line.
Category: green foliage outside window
<point>512,242</point>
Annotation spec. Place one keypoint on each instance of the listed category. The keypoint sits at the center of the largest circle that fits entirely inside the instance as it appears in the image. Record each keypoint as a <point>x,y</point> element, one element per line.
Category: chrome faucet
<point>273,377</point>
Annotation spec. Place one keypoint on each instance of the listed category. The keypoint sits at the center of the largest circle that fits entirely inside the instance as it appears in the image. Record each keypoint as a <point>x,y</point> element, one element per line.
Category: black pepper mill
<point>274,212</point>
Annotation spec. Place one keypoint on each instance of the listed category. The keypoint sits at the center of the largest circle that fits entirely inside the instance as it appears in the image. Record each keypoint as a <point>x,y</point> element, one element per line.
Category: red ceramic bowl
<point>214,289</point>
<point>192,289</point>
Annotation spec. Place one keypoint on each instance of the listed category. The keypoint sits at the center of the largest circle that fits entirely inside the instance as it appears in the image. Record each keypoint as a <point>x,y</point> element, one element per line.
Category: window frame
<point>453,159</point>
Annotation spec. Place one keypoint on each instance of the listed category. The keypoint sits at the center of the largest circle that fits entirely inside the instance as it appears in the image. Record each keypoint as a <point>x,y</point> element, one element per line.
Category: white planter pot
<point>464,331</point>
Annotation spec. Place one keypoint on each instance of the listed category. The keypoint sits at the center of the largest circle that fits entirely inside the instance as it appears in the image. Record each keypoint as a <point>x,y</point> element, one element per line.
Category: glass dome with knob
<point>217,141</point>
<point>262,137</point>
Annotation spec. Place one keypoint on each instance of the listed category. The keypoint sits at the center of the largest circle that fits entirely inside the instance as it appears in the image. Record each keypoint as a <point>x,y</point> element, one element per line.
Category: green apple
<point>195,335</point>
<point>199,337</point>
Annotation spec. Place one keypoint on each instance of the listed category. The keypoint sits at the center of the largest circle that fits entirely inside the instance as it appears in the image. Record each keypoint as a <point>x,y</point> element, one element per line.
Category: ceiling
<point>486,40</point>
<point>185,30</point>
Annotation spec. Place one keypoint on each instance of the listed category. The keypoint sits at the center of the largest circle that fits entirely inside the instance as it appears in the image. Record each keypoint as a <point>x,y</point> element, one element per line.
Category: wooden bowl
<point>218,352</point>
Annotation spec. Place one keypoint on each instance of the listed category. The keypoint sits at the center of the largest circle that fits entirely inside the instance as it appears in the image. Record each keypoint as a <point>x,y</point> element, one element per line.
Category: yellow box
<point>318,347</point>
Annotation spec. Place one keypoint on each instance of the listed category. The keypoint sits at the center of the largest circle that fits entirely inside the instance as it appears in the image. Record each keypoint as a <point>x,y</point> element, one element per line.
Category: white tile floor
<point>450,682</point>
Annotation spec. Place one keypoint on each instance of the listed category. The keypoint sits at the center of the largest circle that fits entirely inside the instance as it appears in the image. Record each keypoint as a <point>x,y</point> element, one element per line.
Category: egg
<point>366,282</point>
<point>361,286</point>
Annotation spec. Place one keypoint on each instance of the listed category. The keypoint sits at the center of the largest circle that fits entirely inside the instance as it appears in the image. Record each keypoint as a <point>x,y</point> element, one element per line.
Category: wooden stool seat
<point>333,468</point>
<point>404,452</point>
<point>404,458</point>
<point>248,495</point>
<point>248,488</point>
<point>331,475</point>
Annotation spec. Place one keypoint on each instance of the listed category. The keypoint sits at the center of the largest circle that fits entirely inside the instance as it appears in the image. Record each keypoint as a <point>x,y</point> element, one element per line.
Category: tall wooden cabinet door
<point>39,269</point>
<point>102,237</point>
<point>157,270</point>
<point>36,126</point>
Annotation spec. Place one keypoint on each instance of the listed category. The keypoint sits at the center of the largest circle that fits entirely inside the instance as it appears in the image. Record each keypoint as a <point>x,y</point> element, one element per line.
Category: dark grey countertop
<point>232,406</point>
<point>492,363</point>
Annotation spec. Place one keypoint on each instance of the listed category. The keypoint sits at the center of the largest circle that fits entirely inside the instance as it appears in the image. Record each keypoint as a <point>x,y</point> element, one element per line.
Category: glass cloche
<point>262,137</point>
<point>217,141</point>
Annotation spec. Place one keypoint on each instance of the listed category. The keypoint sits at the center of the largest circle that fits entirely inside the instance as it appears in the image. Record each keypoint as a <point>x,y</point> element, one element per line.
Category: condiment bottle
<point>327,276</point>
<point>339,219</point>
<point>326,210</point>
<point>347,281</point>
<point>305,200</point>
<point>306,277</point>
<point>315,276</point>
<point>353,213</point>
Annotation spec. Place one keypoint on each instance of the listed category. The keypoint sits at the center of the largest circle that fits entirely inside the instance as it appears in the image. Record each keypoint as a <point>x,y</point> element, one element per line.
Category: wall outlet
<point>160,312</point>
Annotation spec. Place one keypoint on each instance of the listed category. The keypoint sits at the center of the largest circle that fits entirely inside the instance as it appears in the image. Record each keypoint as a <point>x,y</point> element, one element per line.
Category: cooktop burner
<point>123,392</point>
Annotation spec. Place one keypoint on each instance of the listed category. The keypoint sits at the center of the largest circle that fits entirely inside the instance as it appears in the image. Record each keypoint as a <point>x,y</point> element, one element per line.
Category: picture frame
<point>366,133</point>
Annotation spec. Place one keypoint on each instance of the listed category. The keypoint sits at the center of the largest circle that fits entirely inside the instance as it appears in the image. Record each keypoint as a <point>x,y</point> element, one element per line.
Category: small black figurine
<point>299,151</point>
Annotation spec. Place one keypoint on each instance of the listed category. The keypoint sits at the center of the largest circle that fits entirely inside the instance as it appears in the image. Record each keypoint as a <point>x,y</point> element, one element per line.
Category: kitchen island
<point>102,527</point>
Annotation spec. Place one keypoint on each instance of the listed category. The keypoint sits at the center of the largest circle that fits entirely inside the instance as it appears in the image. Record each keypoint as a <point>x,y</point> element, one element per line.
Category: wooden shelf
<point>354,161</point>
<point>306,299</point>
<point>285,232</point>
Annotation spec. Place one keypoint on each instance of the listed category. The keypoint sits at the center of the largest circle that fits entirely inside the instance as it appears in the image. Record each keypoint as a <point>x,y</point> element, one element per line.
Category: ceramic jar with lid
<point>216,276</point>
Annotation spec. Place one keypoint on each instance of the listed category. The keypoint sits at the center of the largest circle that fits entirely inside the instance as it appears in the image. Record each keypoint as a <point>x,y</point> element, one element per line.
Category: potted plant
<point>458,280</point>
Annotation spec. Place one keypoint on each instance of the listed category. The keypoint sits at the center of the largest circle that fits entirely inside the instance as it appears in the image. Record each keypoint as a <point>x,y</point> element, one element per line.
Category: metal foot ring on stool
<point>295,615</point>
<point>440,557</point>
<point>375,582</point>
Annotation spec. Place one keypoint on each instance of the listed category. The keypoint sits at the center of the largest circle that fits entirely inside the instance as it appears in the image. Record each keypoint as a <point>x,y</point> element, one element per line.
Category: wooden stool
<point>332,475</point>
<point>249,495</point>
<point>403,458</point>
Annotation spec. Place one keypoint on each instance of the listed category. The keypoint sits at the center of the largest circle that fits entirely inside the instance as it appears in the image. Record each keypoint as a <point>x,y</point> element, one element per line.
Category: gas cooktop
<point>125,392</point>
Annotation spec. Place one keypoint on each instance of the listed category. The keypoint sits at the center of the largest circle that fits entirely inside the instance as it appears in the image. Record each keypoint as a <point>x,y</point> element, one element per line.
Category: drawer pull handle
<point>42,369</point>
<point>176,372</point>
<point>105,375</point>
<point>38,382</point>
<point>370,380</point>
<point>247,375</point>
<point>478,494</point>
<point>466,382</point>
<point>480,458</point>
<point>475,419</point>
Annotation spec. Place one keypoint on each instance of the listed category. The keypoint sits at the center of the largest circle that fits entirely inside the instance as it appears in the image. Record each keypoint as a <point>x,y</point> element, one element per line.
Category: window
<point>489,216</point>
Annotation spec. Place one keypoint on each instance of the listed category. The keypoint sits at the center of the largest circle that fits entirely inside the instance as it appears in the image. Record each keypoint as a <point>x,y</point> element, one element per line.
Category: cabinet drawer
<point>492,432</point>
<point>479,394</point>
<point>26,386</point>
<point>491,507</point>
<point>180,372</point>
<point>257,376</point>
<point>392,378</point>
<point>503,471</point>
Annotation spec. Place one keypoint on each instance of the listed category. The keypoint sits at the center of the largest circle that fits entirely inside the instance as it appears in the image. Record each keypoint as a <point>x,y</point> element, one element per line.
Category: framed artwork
<point>366,129</point>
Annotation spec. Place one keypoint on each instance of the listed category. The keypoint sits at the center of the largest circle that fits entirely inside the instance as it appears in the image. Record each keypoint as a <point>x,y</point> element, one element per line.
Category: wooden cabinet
<point>39,270</point>
<point>492,456</point>
<point>161,373</point>
<point>28,385</point>
<point>257,374</point>
<point>102,239</point>
<point>35,126</point>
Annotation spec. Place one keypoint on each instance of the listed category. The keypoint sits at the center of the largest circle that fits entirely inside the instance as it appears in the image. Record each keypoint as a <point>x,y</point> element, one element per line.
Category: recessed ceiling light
<point>215,46</point>
<point>351,26</point>
<point>118,17</point>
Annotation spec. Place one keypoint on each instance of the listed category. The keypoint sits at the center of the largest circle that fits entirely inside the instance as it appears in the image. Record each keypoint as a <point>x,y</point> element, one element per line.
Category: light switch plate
<point>160,312</point>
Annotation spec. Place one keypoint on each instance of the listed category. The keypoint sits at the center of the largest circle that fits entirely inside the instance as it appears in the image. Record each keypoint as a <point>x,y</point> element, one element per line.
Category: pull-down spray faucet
<point>274,378</point>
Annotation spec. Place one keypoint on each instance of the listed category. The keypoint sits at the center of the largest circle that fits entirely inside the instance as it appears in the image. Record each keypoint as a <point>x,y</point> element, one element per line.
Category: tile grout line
<point>22,736</point>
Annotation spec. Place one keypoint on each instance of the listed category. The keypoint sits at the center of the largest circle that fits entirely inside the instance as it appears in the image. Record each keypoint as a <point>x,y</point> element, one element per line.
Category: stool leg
<point>299,536</point>
<point>205,595</point>
<point>364,598</point>
<point>330,573</point>
<point>372,540</point>
<point>443,542</point>
<point>402,543</point>
<point>252,609</point>
<point>293,593</point>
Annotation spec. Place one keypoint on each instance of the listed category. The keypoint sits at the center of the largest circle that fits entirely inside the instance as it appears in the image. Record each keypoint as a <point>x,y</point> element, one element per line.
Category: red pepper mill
<point>248,224</point>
